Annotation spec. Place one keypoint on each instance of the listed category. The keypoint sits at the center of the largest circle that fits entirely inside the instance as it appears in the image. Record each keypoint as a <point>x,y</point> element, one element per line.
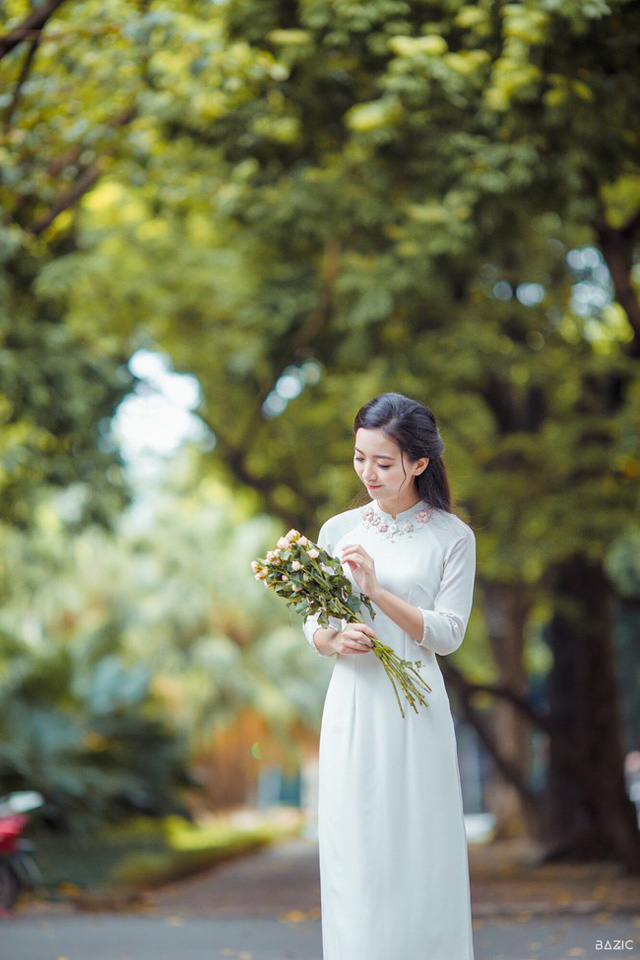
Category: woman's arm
<point>446,624</point>
<point>322,639</point>
<point>353,639</point>
<point>442,629</point>
<point>407,617</point>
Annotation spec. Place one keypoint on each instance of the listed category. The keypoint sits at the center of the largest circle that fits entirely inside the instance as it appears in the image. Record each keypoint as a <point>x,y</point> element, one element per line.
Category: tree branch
<point>291,347</point>
<point>232,456</point>
<point>68,198</point>
<point>35,21</point>
<point>509,770</point>
<point>575,767</point>
<point>24,73</point>
<point>86,179</point>
<point>617,249</point>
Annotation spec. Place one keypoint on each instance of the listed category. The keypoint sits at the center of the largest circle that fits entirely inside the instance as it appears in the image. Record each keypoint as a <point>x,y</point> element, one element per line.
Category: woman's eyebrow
<point>378,456</point>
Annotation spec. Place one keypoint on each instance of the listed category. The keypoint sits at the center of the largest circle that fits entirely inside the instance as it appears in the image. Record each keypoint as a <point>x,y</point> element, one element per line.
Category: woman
<point>393,853</point>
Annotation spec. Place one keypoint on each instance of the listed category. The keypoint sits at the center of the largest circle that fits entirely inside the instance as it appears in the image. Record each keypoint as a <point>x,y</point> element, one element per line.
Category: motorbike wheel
<point>8,886</point>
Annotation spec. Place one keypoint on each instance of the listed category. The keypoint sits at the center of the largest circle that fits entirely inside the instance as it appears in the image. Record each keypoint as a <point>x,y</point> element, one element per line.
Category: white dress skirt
<point>394,867</point>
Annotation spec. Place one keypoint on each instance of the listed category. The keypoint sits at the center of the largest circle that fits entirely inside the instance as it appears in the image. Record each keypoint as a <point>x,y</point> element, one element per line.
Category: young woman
<point>393,854</point>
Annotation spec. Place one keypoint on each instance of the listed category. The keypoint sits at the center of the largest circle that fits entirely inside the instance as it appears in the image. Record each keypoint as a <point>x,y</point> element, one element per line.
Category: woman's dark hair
<point>413,427</point>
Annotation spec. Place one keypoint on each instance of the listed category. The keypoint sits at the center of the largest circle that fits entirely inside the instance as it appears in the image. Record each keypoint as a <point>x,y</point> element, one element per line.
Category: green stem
<point>404,671</point>
<point>395,690</point>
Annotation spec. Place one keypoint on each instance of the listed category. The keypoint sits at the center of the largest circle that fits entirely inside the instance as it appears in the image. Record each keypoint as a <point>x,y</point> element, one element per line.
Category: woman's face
<point>384,469</point>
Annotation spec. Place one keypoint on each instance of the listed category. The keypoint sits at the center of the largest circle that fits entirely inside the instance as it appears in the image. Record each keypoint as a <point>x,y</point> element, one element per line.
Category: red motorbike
<point>18,869</point>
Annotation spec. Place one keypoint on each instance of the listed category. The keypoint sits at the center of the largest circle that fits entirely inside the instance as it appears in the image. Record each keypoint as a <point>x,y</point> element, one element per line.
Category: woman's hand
<point>355,638</point>
<point>363,568</point>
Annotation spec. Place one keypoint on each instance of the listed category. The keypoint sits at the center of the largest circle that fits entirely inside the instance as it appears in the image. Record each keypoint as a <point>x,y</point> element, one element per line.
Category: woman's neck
<point>396,506</point>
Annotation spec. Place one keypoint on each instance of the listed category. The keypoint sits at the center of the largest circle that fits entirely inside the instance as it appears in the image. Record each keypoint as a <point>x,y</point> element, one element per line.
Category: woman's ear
<point>421,466</point>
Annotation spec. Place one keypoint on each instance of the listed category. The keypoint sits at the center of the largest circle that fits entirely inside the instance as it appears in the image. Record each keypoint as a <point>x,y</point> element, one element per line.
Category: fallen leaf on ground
<point>299,916</point>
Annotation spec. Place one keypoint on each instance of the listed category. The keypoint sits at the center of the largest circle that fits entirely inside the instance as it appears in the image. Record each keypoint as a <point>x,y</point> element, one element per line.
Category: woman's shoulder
<point>336,526</point>
<point>452,526</point>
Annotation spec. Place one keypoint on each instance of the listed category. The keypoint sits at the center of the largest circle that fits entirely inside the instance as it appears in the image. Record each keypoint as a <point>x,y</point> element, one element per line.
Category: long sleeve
<point>311,624</point>
<point>445,625</point>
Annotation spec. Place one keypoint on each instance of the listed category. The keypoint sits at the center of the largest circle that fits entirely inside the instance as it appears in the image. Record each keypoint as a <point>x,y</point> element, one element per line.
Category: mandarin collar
<point>405,515</point>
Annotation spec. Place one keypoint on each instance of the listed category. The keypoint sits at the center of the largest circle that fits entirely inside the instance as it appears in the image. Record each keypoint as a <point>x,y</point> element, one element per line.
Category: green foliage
<point>58,388</point>
<point>363,250</point>
<point>305,205</point>
<point>333,192</point>
<point>105,635</point>
<point>193,847</point>
<point>143,852</point>
<point>84,730</point>
<point>62,106</point>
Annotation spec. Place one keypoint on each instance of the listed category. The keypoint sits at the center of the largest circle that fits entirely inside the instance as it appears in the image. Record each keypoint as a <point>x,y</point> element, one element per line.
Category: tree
<point>60,380</point>
<point>371,186</point>
<point>125,654</point>
<point>396,164</point>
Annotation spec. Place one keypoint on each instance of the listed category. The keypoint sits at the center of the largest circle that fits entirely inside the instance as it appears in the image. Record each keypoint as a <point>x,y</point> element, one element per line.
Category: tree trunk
<point>588,816</point>
<point>506,607</point>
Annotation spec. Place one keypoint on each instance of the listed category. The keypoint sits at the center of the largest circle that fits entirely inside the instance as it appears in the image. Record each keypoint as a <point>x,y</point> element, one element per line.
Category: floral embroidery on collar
<point>392,529</point>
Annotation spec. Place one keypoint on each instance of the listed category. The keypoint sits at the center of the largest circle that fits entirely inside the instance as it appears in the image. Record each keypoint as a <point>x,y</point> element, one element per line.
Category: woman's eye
<point>382,466</point>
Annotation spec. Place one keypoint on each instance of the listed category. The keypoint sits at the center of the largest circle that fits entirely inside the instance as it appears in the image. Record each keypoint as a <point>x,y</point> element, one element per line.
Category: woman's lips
<point>373,486</point>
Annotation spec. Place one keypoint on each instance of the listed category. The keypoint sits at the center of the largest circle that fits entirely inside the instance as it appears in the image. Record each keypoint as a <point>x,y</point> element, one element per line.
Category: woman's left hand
<point>363,568</point>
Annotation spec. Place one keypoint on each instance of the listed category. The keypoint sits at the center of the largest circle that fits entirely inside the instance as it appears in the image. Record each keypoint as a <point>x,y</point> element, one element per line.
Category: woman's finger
<point>360,647</point>
<point>357,559</point>
<point>363,635</point>
<point>355,548</point>
<point>365,628</point>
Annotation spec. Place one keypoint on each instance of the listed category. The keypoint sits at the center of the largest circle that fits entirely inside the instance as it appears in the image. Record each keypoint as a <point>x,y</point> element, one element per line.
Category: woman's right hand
<point>355,638</point>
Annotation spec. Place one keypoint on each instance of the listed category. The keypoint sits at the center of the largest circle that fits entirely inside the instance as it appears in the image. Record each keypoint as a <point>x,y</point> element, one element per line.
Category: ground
<point>266,907</point>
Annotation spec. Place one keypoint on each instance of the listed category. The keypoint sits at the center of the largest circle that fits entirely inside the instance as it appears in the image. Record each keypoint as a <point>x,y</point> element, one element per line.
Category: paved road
<point>122,937</point>
<point>139,937</point>
<point>265,907</point>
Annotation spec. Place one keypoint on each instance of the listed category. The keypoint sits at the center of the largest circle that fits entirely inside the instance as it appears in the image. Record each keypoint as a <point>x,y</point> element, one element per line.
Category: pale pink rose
<point>303,541</point>
<point>282,543</point>
<point>314,554</point>
<point>296,565</point>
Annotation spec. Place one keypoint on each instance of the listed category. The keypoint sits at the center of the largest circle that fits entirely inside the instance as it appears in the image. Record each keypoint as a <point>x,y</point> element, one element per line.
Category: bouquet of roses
<point>312,582</point>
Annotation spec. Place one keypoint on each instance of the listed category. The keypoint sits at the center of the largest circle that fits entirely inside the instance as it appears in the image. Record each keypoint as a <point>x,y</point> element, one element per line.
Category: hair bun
<point>438,447</point>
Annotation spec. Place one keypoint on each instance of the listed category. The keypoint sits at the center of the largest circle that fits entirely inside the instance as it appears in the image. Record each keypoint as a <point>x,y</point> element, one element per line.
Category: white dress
<point>393,852</point>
